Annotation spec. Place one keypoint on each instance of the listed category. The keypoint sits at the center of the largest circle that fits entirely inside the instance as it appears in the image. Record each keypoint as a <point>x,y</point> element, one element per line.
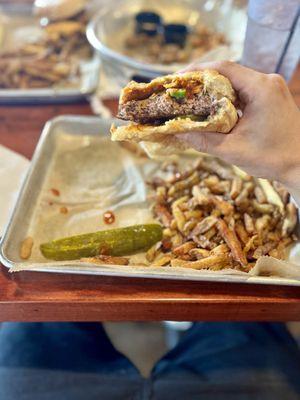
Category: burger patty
<point>161,107</point>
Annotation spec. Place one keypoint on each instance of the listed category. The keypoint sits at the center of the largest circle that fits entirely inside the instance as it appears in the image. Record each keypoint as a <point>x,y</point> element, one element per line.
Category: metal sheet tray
<point>76,155</point>
<point>13,19</point>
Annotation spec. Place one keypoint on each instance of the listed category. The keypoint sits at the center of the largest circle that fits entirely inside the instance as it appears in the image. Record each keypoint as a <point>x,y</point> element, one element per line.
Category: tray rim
<point>111,272</point>
<point>31,169</point>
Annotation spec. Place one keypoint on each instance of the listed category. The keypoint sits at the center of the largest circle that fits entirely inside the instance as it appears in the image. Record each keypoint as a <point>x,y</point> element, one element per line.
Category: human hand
<point>266,140</point>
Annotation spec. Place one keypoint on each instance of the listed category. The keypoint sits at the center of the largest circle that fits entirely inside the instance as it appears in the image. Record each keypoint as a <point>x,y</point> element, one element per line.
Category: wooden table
<point>34,296</point>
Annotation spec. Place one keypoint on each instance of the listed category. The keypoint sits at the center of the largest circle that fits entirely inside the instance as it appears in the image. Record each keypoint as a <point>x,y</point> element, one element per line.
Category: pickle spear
<point>114,242</point>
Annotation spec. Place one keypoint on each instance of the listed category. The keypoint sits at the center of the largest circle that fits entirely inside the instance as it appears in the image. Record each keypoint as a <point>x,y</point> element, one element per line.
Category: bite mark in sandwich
<point>173,104</point>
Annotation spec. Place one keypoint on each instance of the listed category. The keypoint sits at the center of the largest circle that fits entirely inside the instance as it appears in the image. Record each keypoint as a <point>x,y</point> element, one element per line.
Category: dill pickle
<point>114,242</point>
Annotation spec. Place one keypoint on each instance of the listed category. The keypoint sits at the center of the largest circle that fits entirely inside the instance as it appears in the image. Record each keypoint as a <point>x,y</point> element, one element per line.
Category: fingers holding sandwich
<point>241,77</point>
<point>197,108</point>
<point>265,141</point>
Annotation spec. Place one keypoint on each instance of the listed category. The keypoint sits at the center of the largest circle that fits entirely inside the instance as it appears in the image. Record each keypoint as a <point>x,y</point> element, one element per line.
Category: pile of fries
<point>216,217</point>
<point>52,60</point>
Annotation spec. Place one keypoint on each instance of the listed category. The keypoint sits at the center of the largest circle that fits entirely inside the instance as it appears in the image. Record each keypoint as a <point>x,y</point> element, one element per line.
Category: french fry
<point>215,185</point>
<point>173,225</point>
<point>251,244</point>
<point>226,214</point>
<point>204,225</point>
<point>223,206</point>
<point>263,208</point>
<point>247,188</point>
<point>290,220</point>
<point>163,214</point>
<point>199,253</point>
<point>249,224</point>
<point>182,185</point>
<point>178,214</point>
<point>232,242</point>
<point>193,214</point>
<point>264,249</point>
<point>241,232</point>
<point>161,193</point>
<point>152,252</point>
<point>259,194</point>
<point>278,252</point>
<point>282,192</point>
<point>216,213</point>
<point>272,196</point>
<point>203,242</point>
<point>184,248</point>
<point>210,233</point>
<point>177,240</point>
<point>200,196</point>
<point>236,187</point>
<point>189,226</point>
<point>221,249</point>
<point>230,222</point>
<point>167,232</point>
<point>273,236</point>
<point>162,261</point>
<point>214,262</point>
<point>262,223</point>
<point>213,166</point>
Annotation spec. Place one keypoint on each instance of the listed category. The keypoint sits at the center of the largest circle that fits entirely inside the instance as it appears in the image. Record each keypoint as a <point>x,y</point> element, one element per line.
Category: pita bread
<point>160,140</point>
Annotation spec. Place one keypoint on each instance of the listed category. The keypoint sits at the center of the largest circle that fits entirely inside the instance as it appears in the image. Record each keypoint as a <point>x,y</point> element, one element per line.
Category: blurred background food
<point>142,39</point>
<point>155,42</point>
<point>49,56</point>
<point>138,39</point>
<point>51,60</point>
<point>45,44</point>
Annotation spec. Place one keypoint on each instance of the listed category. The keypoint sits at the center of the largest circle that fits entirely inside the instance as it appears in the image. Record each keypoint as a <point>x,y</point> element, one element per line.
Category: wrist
<point>290,154</point>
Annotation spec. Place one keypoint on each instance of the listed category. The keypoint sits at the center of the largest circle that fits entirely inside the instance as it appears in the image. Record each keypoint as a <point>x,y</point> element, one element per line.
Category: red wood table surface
<point>33,296</point>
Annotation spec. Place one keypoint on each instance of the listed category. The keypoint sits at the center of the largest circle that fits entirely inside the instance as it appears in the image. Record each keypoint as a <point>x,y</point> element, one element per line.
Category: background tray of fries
<point>43,63</point>
<point>219,223</point>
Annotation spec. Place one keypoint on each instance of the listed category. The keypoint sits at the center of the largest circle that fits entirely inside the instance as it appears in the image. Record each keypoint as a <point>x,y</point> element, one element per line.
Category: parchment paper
<point>93,175</point>
<point>13,168</point>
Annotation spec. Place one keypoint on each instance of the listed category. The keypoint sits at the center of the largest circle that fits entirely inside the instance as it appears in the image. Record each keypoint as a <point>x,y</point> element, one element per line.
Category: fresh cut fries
<point>215,218</point>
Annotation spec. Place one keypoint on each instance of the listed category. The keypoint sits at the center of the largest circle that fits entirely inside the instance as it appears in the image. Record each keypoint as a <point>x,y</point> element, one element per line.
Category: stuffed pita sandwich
<point>198,101</point>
